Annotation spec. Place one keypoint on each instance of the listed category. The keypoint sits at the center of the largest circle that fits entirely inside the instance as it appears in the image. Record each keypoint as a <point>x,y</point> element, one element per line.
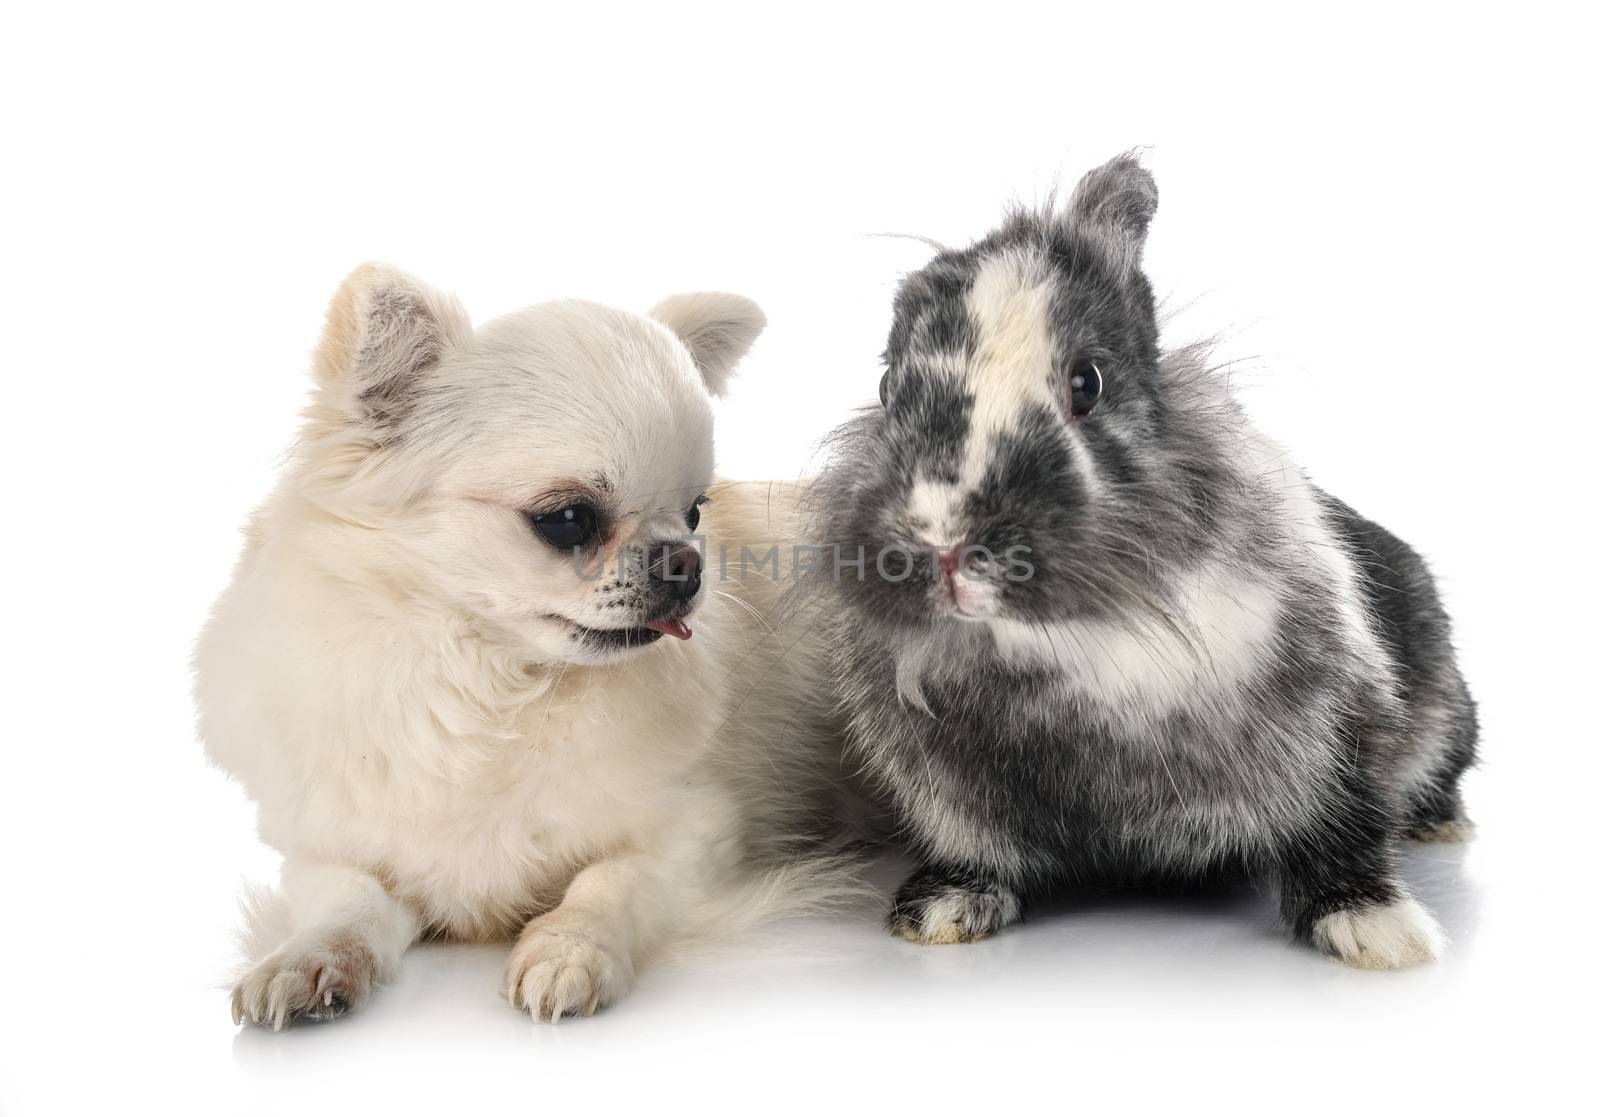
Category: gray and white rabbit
<point>1092,626</point>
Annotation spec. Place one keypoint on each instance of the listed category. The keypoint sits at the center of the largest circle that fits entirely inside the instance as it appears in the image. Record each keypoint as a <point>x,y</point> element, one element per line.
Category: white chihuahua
<point>462,707</point>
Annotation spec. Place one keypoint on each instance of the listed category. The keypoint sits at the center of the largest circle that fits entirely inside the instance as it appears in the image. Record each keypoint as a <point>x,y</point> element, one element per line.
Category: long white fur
<point>389,678</point>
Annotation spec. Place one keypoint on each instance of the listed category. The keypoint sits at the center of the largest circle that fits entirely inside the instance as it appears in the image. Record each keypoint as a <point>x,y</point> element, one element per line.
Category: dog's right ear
<point>384,329</point>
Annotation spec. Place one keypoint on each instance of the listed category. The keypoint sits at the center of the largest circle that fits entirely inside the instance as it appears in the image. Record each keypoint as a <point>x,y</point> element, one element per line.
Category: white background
<point>1387,214</point>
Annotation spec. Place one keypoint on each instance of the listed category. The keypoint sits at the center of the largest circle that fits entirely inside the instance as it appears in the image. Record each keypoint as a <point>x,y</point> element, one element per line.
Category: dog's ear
<point>384,329</point>
<point>1114,204</point>
<point>717,328</point>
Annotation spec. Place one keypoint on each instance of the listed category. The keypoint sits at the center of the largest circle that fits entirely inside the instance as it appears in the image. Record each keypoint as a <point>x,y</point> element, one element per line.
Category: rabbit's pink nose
<point>949,561</point>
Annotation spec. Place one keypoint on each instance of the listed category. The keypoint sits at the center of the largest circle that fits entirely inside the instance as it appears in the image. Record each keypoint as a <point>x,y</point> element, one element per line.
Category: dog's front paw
<point>932,909</point>
<point>1381,937</point>
<point>314,978</point>
<point>557,969</point>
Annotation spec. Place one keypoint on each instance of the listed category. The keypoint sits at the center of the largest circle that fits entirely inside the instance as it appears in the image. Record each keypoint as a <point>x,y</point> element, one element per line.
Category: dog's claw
<point>557,972</point>
<point>319,979</point>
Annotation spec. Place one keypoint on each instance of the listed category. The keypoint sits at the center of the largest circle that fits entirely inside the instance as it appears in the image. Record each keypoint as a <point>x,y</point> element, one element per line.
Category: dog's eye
<point>1083,376</point>
<point>693,514</point>
<point>566,528</point>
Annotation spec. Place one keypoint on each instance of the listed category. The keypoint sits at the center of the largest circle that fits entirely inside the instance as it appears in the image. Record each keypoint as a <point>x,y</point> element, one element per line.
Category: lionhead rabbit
<point>1090,625</point>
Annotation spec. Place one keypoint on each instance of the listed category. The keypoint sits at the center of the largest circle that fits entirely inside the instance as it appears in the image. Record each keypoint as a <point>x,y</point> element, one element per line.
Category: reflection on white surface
<point>1095,984</point>
<point>1218,950</point>
<point>1103,1000</point>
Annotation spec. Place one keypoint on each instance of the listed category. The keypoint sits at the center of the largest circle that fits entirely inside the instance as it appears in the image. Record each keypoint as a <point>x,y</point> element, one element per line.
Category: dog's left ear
<point>717,328</point>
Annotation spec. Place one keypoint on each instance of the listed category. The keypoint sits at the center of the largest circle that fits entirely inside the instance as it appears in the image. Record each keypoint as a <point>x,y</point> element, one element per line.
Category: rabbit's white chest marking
<point>1219,636</point>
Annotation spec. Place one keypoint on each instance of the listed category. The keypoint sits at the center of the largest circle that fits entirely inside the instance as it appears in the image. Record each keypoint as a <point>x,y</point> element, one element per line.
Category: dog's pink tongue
<point>672,628</point>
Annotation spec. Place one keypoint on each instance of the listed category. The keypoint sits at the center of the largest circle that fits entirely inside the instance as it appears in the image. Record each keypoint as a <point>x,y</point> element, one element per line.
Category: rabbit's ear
<point>384,329</point>
<point>717,328</point>
<point>1113,205</point>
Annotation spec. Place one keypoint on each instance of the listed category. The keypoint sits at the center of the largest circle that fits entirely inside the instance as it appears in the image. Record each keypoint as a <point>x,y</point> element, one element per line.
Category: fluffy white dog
<point>453,666</point>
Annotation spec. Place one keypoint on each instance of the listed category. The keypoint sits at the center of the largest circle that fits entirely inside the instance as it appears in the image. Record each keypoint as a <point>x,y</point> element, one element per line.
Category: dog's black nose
<point>678,569</point>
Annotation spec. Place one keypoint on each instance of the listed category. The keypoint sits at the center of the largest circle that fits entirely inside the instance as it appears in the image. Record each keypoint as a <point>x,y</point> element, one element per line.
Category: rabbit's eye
<point>1085,380</point>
